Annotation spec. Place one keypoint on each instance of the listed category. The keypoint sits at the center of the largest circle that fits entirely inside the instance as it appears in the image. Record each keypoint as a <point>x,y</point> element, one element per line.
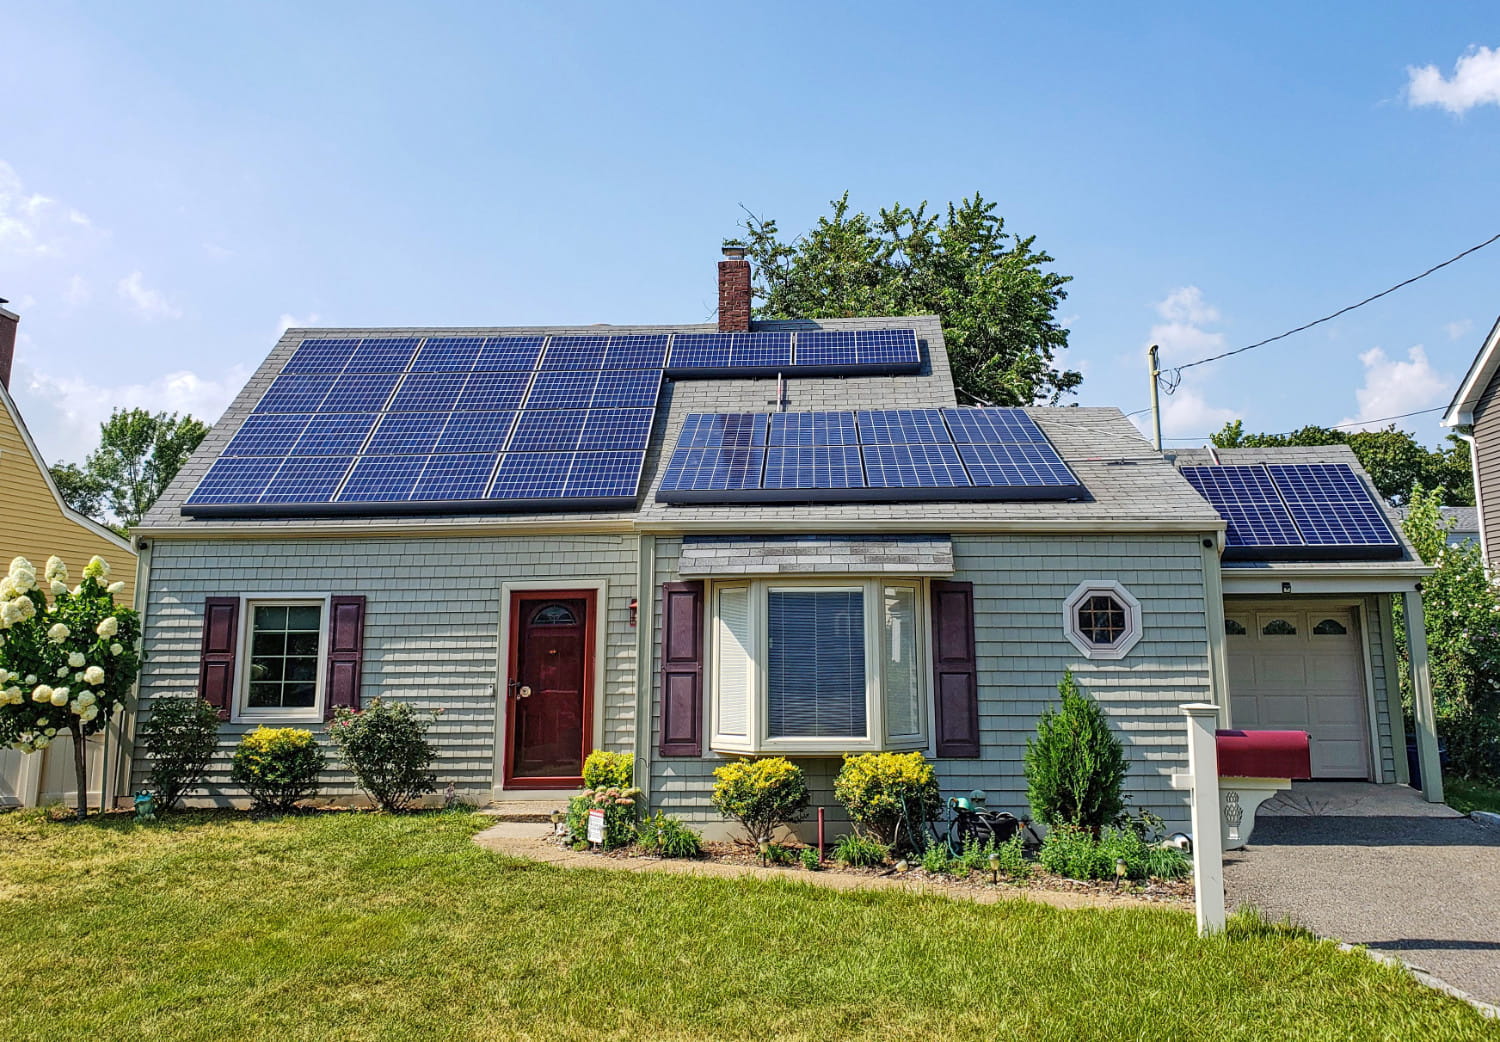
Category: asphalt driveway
<point>1372,865</point>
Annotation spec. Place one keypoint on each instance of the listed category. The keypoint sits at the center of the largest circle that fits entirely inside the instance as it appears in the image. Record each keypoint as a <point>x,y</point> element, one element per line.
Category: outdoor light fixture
<point>634,607</point>
<point>994,868</point>
<point>1119,871</point>
<point>1286,587</point>
<point>901,867</point>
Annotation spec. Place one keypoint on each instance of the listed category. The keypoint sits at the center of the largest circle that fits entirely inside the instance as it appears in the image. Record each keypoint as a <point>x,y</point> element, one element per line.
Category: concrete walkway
<point>530,841</point>
<point>1379,866</point>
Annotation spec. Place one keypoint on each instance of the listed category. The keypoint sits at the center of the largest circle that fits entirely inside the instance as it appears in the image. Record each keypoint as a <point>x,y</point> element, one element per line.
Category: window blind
<point>815,682</point>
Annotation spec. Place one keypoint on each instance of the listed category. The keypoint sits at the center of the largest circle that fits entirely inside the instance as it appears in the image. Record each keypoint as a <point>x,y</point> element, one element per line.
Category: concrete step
<point>531,811</point>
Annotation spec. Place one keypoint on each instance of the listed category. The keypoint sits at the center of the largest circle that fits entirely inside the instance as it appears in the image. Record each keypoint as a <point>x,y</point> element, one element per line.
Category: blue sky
<point>180,181</point>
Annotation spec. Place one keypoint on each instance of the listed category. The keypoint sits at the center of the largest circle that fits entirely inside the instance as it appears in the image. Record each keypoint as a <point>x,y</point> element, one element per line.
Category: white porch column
<point>1208,852</point>
<point>1421,691</point>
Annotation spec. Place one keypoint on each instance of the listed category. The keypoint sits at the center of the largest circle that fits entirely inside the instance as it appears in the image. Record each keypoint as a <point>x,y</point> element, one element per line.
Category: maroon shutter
<point>682,669</point>
<point>221,634</point>
<point>955,669</point>
<point>346,651</point>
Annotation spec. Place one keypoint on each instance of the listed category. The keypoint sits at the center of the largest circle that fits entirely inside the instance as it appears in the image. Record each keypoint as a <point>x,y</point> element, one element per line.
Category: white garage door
<point>1301,670</point>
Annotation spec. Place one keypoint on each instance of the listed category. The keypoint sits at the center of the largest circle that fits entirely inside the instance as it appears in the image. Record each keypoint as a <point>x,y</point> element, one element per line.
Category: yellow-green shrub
<point>762,795</point>
<point>878,788</point>
<point>277,766</point>
<point>604,770</point>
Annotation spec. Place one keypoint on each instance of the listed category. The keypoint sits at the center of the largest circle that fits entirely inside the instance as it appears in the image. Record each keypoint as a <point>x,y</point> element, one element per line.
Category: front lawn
<point>1466,796</point>
<point>364,926</point>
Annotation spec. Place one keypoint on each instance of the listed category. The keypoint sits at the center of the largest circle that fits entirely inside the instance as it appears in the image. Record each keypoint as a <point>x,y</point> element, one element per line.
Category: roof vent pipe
<point>734,291</point>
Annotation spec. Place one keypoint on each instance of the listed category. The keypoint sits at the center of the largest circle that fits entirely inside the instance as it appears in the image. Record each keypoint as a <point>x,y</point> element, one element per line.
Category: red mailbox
<point>1263,754</point>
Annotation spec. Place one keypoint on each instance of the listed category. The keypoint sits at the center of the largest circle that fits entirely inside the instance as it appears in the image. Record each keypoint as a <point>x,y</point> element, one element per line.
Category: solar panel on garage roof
<point>1245,498</point>
<point>1021,466</point>
<point>1330,504</point>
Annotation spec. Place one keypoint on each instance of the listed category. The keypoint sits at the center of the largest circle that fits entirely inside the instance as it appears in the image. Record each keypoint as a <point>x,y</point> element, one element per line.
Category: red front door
<point>549,690</point>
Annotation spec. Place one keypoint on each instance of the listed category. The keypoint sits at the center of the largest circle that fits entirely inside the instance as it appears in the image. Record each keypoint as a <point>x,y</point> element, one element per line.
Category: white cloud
<point>1186,304</point>
<point>1395,387</point>
<point>293,322</point>
<point>78,293</point>
<point>1476,81</point>
<point>1182,336</point>
<point>1186,415</point>
<point>148,303</point>
<point>1457,330</point>
<point>64,413</point>
<point>33,225</point>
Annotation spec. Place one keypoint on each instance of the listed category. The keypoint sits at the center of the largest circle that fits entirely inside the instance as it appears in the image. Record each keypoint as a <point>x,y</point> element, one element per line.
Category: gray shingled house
<point>788,566</point>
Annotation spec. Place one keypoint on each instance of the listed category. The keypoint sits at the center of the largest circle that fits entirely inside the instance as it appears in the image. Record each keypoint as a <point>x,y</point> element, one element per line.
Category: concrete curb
<point>1486,817</point>
<point>1425,978</point>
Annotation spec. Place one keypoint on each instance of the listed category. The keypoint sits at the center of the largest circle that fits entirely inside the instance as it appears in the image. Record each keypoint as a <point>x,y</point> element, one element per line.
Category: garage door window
<point>1234,628</point>
<point>1279,628</point>
<point>1330,628</point>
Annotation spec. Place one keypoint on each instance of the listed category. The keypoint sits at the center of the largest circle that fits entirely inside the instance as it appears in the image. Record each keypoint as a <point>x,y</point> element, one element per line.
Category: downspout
<point>1484,550</point>
<point>645,645</point>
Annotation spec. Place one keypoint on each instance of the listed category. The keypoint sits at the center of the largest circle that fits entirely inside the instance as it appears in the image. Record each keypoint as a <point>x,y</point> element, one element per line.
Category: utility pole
<point>1155,393</point>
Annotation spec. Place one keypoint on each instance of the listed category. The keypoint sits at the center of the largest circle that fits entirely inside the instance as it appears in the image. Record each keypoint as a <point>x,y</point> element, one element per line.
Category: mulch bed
<point>1165,891</point>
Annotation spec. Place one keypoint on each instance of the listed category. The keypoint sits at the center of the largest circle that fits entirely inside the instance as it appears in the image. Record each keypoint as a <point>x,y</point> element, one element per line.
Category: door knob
<point>524,691</point>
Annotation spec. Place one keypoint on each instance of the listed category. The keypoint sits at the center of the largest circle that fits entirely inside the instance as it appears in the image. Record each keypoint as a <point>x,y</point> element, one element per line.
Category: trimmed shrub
<point>666,836</point>
<point>604,770</point>
<point>878,789</point>
<point>1075,766</point>
<point>278,766</point>
<point>620,806</point>
<point>810,859</point>
<point>762,795</point>
<point>385,747</point>
<point>858,851</point>
<point>179,738</point>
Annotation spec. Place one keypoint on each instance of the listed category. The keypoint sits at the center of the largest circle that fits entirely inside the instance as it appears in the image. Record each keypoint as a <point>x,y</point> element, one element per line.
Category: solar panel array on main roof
<point>874,455</point>
<point>1298,511</point>
<point>375,425</point>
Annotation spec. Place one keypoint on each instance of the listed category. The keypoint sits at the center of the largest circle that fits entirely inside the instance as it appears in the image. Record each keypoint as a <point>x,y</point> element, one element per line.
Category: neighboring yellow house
<point>35,523</point>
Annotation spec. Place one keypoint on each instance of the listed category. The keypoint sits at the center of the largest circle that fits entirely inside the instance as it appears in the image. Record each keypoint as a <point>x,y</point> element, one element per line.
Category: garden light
<point>994,868</point>
<point>1120,869</point>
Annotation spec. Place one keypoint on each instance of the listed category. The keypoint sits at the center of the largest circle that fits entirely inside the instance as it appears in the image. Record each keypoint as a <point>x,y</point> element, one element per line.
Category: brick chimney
<point>8,322</point>
<point>734,291</point>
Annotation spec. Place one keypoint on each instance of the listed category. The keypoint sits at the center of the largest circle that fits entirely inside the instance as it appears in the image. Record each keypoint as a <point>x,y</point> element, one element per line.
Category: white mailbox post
<point>1202,780</point>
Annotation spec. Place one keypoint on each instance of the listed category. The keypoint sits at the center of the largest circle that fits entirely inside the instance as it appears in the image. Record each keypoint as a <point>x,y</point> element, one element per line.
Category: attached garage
<point>1303,668</point>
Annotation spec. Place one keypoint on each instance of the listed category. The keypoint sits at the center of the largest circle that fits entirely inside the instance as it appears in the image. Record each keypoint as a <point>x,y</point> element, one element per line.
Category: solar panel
<point>485,391</point>
<point>382,479</point>
<point>360,392</point>
<point>635,352</point>
<point>531,475</point>
<point>296,392</point>
<point>627,389</point>
<point>714,469</point>
<point>993,426</point>
<point>715,429</point>
<point>902,427</point>
<point>596,475</point>
<point>334,434</point>
<point>619,429</point>
<point>311,480</point>
<point>826,348</point>
<point>428,392</point>
<point>813,467</point>
<point>699,351</point>
<point>813,428</point>
<point>471,432</point>
<point>760,350</point>
<point>235,480</point>
<point>1025,466</point>
<point>1330,505</point>
<point>382,355</point>
<point>406,434</point>
<point>914,466</point>
<point>321,356</point>
<point>1245,498</point>
<point>883,347</point>
<point>267,434</point>
<point>547,430</point>
<point>448,354</point>
<point>455,477</point>
<point>565,390</point>
<point>508,353</point>
<point>575,352</point>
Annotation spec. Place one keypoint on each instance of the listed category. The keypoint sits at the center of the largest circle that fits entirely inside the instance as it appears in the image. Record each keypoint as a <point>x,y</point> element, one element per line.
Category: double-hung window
<point>808,667</point>
<point>283,659</point>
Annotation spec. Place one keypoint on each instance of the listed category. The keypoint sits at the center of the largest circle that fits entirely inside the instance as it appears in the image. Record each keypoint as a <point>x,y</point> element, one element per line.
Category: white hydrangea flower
<point>62,671</point>
<point>97,568</point>
<point>94,675</point>
<point>42,693</point>
<point>41,721</point>
<point>60,696</point>
<point>115,649</point>
<point>42,742</point>
<point>116,587</point>
<point>55,568</point>
<point>75,659</point>
<point>109,627</point>
<point>86,699</point>
<point>89,713</point>
<point>7,588</point>
<point>59,632</point>
<point>25,607</point>
<point>59,588</point>
<point>30,678</point>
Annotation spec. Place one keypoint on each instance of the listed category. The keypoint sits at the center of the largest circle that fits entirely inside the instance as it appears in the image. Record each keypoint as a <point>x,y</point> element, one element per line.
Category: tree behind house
<point>997,304</point>
<point>139,454</point>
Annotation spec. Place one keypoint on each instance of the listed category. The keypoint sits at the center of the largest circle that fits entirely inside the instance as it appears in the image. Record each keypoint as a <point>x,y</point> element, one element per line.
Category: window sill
<point>299,716</point>
<point>820,747</point>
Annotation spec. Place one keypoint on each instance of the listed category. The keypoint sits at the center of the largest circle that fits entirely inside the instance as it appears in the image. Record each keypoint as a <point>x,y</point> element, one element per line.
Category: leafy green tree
<point>1461,611</point>
<point>139,454</point>
<point>997,304</point>
<point>1395,460</point>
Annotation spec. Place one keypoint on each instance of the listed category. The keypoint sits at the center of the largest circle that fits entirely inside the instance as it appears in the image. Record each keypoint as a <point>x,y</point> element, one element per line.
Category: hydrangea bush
<point>68,657</point>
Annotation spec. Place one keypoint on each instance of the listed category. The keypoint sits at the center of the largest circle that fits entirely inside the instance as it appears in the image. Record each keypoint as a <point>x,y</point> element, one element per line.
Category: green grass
<point>364,926</point>
<point>1466,796</point>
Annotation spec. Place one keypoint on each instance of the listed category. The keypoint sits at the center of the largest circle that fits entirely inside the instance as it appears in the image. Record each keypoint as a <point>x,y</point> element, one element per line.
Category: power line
<point>1332,426</point>
<point>1340,311</point>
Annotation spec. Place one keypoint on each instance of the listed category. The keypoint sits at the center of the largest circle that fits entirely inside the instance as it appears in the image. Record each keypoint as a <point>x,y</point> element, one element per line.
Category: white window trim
<point>243,714</point>
<point>1109,587</point>
<point>757,739</point>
